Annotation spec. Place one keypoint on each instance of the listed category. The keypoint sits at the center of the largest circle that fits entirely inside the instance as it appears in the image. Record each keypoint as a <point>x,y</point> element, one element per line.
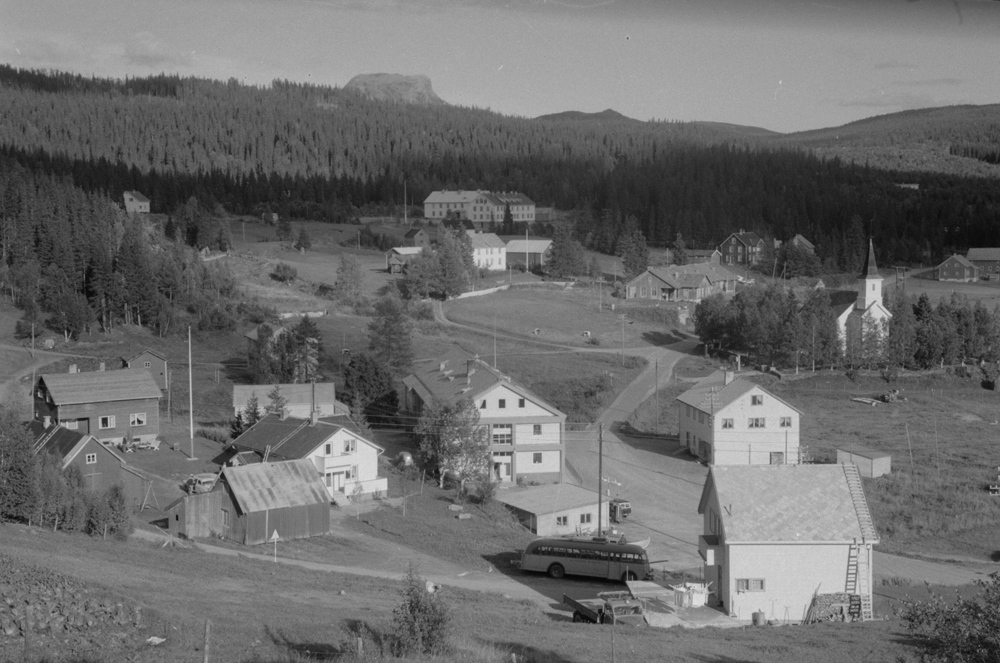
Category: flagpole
<point>190,397</point>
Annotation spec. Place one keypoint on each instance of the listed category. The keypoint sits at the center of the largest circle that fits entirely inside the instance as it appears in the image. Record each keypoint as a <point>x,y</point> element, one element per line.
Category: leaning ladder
<point>858,569</point>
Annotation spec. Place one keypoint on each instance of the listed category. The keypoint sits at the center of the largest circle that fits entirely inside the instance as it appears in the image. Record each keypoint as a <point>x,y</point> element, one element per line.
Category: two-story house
<point>113,406</point>
<point>788,541</point>
<point>136,202</point>
<point>526,433</point>
<point>741,249</point>
<point>488,251</point>
<point>347,461</point>
<point>300,399</point>
<point>729,421</point>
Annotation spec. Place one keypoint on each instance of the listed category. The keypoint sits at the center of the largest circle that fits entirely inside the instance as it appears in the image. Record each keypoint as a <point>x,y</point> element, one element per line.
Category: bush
<point>220,435</point>
<point>420,310</point>
<point>967,631</point>
<point>420,623</point>
<point>593,340</point>
<point>284,272</point>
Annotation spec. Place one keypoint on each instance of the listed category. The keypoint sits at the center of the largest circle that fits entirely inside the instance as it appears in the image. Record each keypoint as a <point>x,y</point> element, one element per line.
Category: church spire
<point>870,270</point>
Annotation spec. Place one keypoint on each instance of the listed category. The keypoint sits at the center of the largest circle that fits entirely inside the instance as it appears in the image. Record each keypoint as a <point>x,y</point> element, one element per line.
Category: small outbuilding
<point>153,362</point>
<point>555,509</point>
<point>870,463</point>
<point>251,502</point>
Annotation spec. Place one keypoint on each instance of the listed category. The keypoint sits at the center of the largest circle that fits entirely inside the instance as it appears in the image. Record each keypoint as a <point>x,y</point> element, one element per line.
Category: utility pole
<point>190,397</point>
<point>622,316</point>
<point>656,395</point>
<point>600,472</point>
<point>494,340</point>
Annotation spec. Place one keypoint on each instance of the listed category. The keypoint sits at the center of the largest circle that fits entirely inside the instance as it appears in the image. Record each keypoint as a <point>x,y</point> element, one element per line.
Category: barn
<point>252,502</point>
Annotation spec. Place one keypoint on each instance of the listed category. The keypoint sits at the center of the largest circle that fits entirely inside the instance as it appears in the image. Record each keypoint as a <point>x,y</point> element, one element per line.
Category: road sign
<point>274,539</point>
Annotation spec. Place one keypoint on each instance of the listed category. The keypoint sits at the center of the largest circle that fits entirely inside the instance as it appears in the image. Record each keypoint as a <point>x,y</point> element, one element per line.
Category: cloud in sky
<point>145,50</point>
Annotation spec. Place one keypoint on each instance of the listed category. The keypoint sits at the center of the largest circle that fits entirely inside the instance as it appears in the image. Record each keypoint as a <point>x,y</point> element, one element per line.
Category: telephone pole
<point>600,472</point>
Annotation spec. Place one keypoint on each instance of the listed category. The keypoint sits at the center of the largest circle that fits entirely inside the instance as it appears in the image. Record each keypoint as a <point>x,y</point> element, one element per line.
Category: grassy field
<point>265,612</point>
<point>938,503</point>
<point>644,418</point>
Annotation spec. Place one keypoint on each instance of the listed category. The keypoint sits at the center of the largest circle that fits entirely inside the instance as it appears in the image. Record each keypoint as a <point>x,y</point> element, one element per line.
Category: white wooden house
<point>728,421</point>
<point>346,460</point>
<point>788,540</point>
<point>526,433</point>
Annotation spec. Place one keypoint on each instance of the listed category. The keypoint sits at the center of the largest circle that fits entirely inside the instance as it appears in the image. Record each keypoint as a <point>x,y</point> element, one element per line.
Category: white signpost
<point>274,539</point>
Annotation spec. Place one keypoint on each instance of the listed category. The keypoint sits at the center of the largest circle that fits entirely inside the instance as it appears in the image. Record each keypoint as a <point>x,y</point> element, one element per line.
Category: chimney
<point>101,367</point>
<point>470,369</point>
<point>72,368</point>
<point>46,421</point>
<point>283,414</point>
<point>314,418</point>
<point>730,376</point>
<point>442,365</point>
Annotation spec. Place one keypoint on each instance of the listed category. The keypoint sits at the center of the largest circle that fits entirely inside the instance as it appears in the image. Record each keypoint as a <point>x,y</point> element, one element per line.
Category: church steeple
<point>870,289</point>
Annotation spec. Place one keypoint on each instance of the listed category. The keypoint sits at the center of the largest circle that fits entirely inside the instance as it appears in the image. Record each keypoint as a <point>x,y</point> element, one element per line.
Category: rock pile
<point>40,601</point>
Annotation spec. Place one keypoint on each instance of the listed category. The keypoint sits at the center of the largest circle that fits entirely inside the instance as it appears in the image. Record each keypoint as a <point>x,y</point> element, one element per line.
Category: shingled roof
<point>790,504</point>
<point>101,386</point>
<point>62,442</point>
<point>293,438</point>
<point>265,486</point>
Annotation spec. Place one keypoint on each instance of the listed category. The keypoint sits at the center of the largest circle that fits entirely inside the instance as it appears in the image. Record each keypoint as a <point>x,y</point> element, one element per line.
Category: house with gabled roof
<point>417,237</point>
<point>397,257</point>
<point>741,249</point>
<point>449,204</point>
<point>957,268</point>
<point>533,252</point>
<point>987,260</point>
<point>696,256</point>
<point>136,202</point>
<point>725,420</point>
<point>488,251</point>
<point>346,460</point>
<point>668,284</point>
<point>526,433</point>
<point>152,361</point>
<point>113,406</point>
<point>99,465</point>
<point>301,400</point>
<point>255,504</point>
<point>802,243</point>
<point>789,541</point>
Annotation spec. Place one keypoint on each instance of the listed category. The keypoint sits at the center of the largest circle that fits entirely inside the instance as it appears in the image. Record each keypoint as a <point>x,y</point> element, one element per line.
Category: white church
<point>866,320</point>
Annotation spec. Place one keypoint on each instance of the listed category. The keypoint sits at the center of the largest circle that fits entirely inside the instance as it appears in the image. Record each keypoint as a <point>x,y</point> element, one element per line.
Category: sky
<point>781,65</point>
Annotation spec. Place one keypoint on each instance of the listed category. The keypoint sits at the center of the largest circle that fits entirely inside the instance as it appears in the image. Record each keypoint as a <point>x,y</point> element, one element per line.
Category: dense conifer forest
<point>324,153</point>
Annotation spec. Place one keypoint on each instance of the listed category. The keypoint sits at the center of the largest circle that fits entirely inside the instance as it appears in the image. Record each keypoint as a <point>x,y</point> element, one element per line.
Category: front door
<point>335,481</point>
<point>501,470</point>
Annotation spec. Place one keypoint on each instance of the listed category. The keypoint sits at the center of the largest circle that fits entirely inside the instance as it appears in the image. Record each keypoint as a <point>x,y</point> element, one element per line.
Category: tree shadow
<point>313,651</point>
<point>236,370</point>
<point>660,338</point>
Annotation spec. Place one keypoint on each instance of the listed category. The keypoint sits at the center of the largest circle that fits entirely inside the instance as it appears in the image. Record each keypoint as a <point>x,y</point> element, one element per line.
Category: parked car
<point>200,483</point>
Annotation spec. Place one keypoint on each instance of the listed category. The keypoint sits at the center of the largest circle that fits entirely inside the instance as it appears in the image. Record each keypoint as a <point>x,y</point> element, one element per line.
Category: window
<point>225,518</point>
<point>536,429</point>
<point>482,406</point>
<point>756,399</point>
<point>520,402</point>
<point>727,423</point>
<point>749,584</point>
<point>714,522</point>
<point>147,364</point>
<point>328,450</point>
<point>350,446</point>
<point>536,458</point>
<point>106,422</point>
<point>72,425</point>
<point>562,520</point>
<point>91,459</point>
<point>786,422</point>
<point>755,422</point>
<point>503,434</point>
<point>701,417</point>
<point>502,403</point>
<point>137,419</point>
<point>584,518</point>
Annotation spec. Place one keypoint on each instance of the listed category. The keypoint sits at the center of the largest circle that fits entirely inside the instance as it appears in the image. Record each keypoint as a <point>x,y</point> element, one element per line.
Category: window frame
<point>91,459</point>
<point>586,518</point>
<point>350,446</point>
<point>728,424</point>
<point>536,429</point>
<point>502,403</point>
<point>562,521</point>
<point>110,418</point>
<point>508,434</point>
<point>756,399</point>
<point>756,422</point>
<point>536,458</point>
<point>134,419</point>
<point>785,422</point>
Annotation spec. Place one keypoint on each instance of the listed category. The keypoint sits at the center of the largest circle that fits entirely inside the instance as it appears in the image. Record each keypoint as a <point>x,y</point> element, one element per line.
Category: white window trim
<point>350,446</point>
<point>91,459</point>
<point>133,419</point>
<point>111,422</point>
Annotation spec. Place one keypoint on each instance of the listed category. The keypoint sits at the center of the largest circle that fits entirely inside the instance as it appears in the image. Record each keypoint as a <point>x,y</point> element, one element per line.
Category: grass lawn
<point>266,612</point>
<point>939,504</point>
<point>687,369</point>
<point>562,315</point>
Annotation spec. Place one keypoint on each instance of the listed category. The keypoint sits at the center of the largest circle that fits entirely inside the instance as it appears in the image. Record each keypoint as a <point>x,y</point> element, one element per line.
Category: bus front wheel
<point>629,575</point>
<point>557,571</point>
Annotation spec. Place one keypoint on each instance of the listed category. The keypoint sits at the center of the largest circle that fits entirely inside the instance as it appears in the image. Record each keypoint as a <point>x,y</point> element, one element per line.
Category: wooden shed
<point>196,516</point>
<point>870,463</point>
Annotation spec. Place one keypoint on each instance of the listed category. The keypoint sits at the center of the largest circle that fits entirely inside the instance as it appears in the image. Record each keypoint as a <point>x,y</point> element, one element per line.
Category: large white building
<point>480,207</point>
<point>728,421</point>
<point>526,433</point>
<point>787,540</point>
<point>867,320</point>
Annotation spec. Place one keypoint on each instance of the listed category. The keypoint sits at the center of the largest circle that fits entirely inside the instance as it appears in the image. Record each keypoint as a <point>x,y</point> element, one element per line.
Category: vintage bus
<point>596,557</point>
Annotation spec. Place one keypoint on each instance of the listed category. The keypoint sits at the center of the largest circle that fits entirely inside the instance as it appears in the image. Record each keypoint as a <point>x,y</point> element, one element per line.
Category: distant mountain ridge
<point>396,87</point>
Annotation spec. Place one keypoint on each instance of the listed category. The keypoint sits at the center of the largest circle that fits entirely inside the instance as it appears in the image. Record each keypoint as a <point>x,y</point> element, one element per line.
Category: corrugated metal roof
<point>528,245</point>
<point>552,498</point>
<point>788,503</point>
<point>101,386</point>
<point>265,486</point>
<point>294,394</point>
<point>984,255</point>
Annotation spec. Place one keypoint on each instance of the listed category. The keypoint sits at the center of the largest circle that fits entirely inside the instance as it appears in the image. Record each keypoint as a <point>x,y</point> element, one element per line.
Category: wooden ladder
<point>863,582</point>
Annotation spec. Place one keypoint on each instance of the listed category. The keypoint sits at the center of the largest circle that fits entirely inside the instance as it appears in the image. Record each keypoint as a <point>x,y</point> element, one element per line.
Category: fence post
<point>208,628</point>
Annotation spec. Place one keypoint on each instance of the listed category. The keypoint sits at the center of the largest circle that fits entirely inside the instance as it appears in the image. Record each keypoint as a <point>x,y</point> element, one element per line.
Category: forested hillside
<point>323,153</point>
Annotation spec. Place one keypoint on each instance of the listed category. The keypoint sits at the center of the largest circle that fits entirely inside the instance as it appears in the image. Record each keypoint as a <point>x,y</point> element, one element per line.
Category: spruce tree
<point>390,333</point>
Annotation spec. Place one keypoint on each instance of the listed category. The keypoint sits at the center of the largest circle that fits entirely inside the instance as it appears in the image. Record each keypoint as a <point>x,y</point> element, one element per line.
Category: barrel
<point>759,619</point>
